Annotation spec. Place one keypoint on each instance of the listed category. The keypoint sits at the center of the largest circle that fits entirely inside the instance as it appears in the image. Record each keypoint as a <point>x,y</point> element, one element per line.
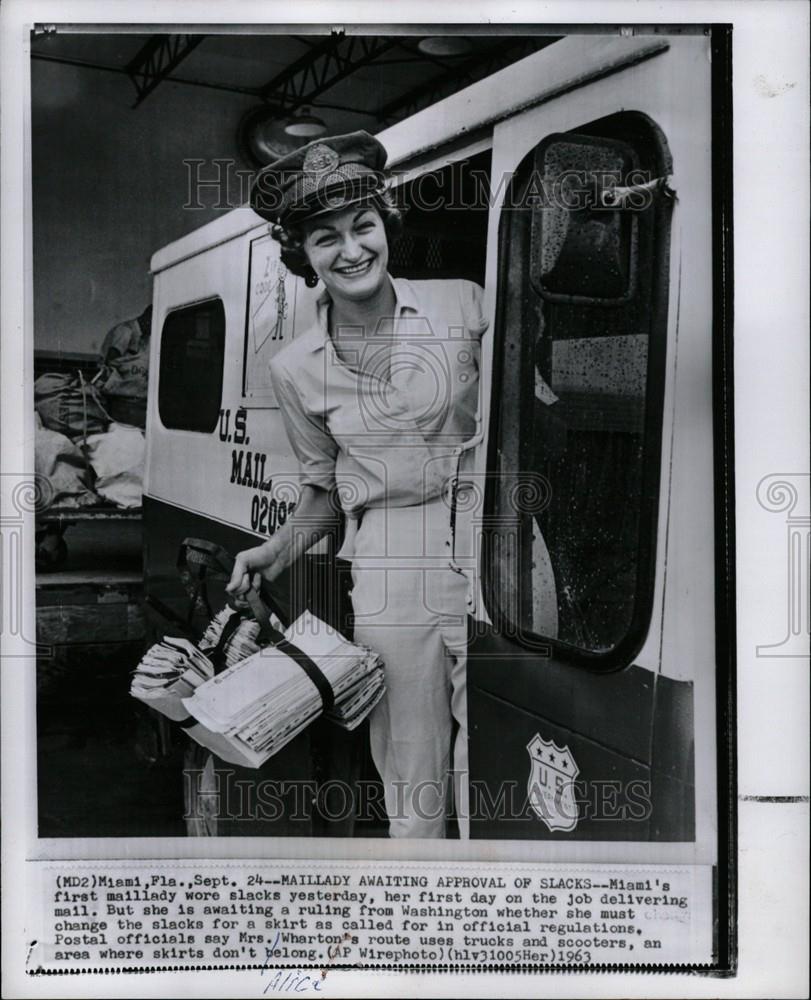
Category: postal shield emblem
<point>550,786</point>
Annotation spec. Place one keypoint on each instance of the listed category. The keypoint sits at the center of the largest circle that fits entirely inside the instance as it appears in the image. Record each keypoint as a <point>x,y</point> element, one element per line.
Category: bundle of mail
<point>243,641</point>
<point>263,698</point>
<point>169,672</point>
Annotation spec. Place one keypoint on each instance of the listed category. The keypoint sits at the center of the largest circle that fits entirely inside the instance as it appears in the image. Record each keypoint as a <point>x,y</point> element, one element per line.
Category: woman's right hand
<point>312,518</point>
<point>250,566</point>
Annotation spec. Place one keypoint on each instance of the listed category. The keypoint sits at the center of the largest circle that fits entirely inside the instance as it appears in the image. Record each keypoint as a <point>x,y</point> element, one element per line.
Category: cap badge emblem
<point>320,159</point>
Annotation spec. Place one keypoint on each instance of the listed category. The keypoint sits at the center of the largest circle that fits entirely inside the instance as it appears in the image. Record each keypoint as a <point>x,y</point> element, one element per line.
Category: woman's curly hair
<point>291,236</point>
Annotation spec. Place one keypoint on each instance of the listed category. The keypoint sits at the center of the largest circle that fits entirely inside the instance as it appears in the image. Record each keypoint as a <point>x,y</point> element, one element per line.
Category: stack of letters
<point>243,641</point>
<point>169,672</point>
<point>261,703</point>
<point>263,698</point>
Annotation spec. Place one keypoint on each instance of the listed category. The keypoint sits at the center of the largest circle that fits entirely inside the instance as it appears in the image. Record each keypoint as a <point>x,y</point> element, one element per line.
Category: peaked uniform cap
<point>322,176</point>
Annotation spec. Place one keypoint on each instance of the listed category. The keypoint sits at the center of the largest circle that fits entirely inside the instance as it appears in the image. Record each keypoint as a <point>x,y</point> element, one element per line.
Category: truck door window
<point>445,222</point>
<point>192,353</point>
<point>575,439</point>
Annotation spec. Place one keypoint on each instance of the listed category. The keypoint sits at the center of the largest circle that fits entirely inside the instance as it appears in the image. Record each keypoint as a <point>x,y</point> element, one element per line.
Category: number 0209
<point>269,514</point>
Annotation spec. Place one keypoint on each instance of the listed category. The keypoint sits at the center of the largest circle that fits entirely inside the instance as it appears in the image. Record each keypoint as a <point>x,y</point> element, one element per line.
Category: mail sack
<point>125,356</point>
<point>62,463</point>
<point>68,403</point>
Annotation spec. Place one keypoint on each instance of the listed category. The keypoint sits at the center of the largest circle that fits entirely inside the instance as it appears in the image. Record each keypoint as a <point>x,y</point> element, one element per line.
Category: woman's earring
<point>311,278</point>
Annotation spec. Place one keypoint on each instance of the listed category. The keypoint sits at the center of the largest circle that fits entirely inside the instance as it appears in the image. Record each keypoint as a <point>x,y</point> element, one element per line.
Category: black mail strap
<point>217,654</point>
<point>310,668</point>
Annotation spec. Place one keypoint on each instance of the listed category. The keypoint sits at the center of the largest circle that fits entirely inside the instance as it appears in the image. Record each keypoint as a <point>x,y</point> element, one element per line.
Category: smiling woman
<point>377,396</point>
<point>349,252</point>
<point>322,234</point>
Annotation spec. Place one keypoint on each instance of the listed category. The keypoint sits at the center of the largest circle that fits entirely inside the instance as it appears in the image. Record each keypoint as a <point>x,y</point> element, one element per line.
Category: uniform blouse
<point>384,431</point>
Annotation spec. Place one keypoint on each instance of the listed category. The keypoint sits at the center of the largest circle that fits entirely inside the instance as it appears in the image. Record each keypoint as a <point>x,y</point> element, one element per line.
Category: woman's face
<point>348,250</point>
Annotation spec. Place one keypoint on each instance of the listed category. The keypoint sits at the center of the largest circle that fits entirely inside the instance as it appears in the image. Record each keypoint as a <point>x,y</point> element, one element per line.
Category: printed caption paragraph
<point>320,915</point>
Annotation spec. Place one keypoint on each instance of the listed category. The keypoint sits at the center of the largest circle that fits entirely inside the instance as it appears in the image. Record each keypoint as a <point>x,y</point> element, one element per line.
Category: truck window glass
<point>445,222</point>
<point>577,414</point>
<point>192,352</point>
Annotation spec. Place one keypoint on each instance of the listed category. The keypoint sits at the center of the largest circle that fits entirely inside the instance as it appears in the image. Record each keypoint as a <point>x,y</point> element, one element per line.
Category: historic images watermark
<point>788,494</point>
<point>226,796</point>
<point>222,185</point>
<point>23,496</point>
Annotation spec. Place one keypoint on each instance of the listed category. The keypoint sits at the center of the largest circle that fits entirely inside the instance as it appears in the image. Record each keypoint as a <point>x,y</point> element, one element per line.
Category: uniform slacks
<point>410,607</point>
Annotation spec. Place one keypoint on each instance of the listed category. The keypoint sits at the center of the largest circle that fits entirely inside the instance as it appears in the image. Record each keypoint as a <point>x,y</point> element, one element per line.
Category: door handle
<point>633,195</point>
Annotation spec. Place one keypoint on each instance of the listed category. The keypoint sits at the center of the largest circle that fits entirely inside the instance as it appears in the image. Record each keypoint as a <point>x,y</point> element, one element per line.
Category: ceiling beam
<point>225,88</point>
<point>327,63</point>
<point>157,59</point>
<point>84,64</point>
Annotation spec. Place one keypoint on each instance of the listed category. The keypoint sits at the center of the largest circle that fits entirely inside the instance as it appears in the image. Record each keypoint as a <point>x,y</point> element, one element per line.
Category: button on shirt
<point>385,431</point>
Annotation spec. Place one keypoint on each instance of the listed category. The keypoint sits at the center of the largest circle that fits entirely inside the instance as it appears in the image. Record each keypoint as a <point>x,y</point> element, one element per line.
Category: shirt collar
<point>405,298</point>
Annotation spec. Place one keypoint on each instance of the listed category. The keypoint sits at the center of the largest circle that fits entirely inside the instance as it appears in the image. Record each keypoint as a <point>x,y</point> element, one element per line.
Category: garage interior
<point>122,124</point>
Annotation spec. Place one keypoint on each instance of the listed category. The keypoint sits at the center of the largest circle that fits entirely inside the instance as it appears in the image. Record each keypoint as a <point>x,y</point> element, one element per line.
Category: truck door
<point>562,710</point>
